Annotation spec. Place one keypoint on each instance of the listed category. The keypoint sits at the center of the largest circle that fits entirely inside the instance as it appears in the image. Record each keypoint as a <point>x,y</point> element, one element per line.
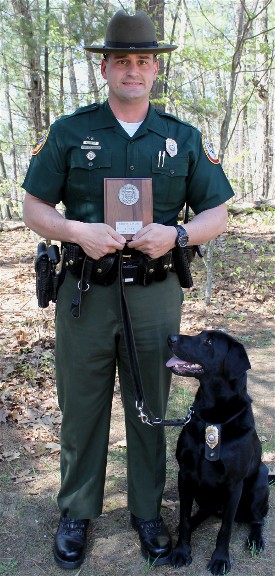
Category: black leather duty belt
<point>137,268</point>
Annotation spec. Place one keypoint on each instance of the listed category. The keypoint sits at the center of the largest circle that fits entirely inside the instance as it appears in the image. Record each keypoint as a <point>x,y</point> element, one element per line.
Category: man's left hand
<point>154,240</point>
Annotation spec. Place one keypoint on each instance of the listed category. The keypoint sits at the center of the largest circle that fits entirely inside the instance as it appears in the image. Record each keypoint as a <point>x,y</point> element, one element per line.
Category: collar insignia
<point>91,155</point>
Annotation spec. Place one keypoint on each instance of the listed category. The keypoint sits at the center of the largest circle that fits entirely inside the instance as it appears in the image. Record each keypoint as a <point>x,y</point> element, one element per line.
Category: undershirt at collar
<point>130,127</point>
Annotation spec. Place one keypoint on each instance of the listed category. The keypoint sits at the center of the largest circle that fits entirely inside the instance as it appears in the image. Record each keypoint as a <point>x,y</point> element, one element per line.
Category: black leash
<point>145,414</point>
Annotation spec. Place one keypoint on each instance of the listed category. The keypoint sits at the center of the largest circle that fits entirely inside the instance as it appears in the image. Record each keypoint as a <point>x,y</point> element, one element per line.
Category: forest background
<point>220,79</point>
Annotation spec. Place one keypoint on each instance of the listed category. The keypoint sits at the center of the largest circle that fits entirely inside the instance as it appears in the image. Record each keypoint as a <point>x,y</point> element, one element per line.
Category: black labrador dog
<point>218,451</point>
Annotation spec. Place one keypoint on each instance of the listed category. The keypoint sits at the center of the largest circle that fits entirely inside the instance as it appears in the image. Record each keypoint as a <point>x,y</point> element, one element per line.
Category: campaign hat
<point>131,34</point>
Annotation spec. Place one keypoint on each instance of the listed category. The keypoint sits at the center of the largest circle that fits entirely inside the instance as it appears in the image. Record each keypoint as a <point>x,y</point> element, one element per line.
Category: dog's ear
<point>236,361</point>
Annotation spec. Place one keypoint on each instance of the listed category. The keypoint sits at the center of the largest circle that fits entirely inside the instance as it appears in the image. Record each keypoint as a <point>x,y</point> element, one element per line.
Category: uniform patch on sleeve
<point>209,151</point>
<point>41,143</point>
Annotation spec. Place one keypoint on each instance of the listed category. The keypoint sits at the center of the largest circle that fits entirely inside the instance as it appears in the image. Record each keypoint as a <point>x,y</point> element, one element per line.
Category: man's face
<point>129,76</point>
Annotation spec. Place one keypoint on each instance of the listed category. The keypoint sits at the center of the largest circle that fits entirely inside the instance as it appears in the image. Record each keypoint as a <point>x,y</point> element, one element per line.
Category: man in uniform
<point>125,137</point>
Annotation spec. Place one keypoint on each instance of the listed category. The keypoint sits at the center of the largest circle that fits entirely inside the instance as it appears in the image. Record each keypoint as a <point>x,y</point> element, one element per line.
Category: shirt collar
<point>153,121</point>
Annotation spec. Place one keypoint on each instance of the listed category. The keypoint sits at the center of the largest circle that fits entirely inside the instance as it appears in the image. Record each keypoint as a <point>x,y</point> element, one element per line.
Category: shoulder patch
<point>209,151</point>
<point>41,143</point>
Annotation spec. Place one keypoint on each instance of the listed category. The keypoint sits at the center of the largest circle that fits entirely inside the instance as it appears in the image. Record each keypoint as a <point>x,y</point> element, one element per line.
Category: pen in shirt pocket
<point>161,159</point>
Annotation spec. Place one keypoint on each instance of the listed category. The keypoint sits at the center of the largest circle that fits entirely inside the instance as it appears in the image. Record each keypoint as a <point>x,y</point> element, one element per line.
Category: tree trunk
<point>155,10</point>
<point>70,62</point>
<point>72,78</point>
<point>14,195</point>
<point>233,79</point>
<point>31,67</point>
<point>264,110</point>
<point>93,90</point>
<point>168,65</point>
<point>46,65</point>
<point>2,166</point>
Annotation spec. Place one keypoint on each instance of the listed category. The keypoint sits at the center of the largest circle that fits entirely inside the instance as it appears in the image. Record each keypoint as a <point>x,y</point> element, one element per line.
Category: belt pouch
<point>164,264</point>
<point>74,257</point>
<point>147,269</point>
<point>105,270</point>
<point>182,269</point>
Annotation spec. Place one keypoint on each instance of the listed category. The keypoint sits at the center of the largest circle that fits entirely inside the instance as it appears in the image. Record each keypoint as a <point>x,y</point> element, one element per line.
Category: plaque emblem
<point>128,194</point>
<point>211,436</point>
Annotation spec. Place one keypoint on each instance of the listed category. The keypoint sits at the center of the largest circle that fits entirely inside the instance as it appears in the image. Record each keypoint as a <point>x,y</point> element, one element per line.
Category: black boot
<point>70,541</point>
<point>154,538</point>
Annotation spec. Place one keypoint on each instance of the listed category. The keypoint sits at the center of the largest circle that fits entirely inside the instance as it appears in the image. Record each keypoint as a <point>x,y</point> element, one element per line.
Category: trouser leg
<point>86,352</point>
<point>85,374</point>
<point>155,312</point>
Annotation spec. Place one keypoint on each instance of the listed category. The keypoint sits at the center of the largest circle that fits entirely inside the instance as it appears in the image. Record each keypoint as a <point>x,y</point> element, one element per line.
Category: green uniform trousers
<point>88,350</point>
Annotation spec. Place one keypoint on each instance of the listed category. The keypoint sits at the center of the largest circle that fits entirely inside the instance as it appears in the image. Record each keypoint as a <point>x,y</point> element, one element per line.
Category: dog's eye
<point>208,341</point>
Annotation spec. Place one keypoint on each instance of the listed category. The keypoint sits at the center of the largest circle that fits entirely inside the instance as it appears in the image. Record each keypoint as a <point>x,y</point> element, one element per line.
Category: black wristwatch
<point>182,238</point>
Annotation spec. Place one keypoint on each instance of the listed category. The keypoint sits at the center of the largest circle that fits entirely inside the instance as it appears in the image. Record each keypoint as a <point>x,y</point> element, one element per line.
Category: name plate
<point>128,204</point>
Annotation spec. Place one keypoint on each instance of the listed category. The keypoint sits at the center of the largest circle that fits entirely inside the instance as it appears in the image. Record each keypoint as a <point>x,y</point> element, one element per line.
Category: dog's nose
<point>172,338</point>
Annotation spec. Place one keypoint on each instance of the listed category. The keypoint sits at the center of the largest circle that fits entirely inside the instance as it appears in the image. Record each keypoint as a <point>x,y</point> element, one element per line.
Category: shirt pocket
<point>169,177</point>
<point>86,174</point>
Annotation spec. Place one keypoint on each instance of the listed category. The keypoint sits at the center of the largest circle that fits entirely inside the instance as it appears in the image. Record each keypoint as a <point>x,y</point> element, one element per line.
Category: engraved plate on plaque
<point>128,204</point>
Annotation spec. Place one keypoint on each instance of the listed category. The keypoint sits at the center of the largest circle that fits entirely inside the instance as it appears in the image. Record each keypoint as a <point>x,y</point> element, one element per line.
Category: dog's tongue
<point>173,361</point>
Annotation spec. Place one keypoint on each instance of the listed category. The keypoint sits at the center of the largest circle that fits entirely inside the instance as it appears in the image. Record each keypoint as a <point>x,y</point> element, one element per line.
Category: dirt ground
<point>242,304</point>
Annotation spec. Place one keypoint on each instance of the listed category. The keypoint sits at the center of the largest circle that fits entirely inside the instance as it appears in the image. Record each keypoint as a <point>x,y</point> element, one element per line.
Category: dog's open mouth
<point>184,368</point>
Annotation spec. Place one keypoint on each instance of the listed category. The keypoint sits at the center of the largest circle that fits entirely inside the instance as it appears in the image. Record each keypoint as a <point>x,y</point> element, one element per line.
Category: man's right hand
<point>99,239</point>
<point>95,239</point>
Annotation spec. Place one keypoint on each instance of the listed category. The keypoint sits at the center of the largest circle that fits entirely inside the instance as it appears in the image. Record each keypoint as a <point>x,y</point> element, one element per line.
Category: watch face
<point>182,237</point>
<point>182,240</point>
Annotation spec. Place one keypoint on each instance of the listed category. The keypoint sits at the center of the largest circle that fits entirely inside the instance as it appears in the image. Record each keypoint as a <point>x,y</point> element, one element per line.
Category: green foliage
<point>196,89</point>
<point>9,567</point>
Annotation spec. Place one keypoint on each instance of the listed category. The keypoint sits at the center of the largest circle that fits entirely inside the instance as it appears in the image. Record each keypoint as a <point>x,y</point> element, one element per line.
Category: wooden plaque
<point>128,204</point>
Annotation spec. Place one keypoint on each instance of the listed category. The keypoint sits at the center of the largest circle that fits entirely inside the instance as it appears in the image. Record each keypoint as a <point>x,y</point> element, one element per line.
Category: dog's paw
<point>219,565</point>
<point>181,556</point>
<point>255,543</point>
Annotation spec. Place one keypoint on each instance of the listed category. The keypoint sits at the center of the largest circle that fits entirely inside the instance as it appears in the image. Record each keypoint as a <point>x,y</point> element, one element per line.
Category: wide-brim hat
<point>131,34</point>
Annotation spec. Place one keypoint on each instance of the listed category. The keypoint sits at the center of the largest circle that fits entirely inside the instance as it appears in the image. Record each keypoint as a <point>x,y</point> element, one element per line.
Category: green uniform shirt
<point>80,150</point>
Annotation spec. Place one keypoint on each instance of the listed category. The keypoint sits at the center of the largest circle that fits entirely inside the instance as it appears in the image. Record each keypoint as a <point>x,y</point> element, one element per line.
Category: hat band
<point>131,45</point>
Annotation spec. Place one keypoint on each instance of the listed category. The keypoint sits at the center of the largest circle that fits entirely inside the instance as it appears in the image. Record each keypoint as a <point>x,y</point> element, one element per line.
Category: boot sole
<point>156,561</point>
<point>65,564</point>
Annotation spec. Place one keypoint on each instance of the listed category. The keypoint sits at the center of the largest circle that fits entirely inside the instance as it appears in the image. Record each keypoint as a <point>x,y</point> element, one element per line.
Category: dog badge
<point>211,436</point>
<point>128,194</point>
<point>171,147</point>
<point>91,155</point>
<point>212,442</point>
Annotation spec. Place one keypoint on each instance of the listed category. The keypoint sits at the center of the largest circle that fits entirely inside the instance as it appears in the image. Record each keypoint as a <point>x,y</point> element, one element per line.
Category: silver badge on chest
<point>171,147</point>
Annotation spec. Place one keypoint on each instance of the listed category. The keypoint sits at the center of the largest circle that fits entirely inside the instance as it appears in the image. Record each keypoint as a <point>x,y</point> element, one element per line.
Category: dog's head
<point>211,351</point>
